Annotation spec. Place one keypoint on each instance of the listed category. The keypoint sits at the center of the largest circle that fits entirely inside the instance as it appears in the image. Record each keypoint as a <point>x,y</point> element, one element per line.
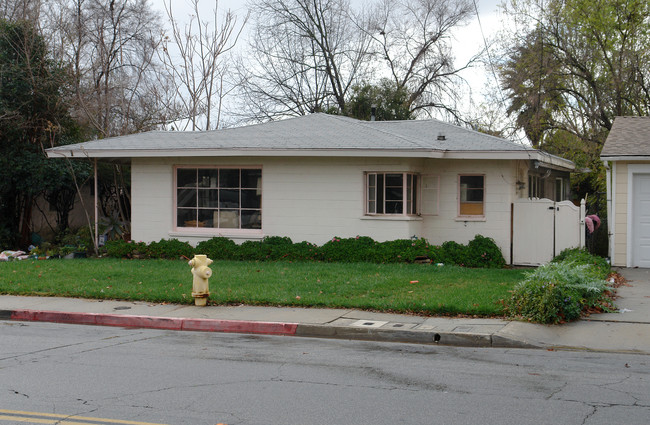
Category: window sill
<point>478,218</point>
<point>212,233</point>
<point>391,217</point>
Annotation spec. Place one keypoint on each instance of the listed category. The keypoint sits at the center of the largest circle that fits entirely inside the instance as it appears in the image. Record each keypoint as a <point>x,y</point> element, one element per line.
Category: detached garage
<point>626,155</point>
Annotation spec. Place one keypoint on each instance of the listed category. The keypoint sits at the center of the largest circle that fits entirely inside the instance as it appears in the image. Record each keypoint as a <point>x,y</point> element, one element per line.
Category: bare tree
<point>304,57</point>
<point>110,46</point>
<point>194,59</point>
<point>21,10</point>
<point>413,39</point>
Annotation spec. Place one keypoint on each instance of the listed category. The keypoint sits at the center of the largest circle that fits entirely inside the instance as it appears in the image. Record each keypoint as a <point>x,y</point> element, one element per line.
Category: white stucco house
<point>318,176</point>
<point>626,154</point>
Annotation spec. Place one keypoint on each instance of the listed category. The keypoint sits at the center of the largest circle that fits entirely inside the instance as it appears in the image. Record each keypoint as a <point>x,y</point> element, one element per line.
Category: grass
<point>402,288</point>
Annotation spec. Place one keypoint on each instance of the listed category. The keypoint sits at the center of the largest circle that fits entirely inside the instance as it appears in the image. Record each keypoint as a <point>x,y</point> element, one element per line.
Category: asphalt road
<point>70,374</point>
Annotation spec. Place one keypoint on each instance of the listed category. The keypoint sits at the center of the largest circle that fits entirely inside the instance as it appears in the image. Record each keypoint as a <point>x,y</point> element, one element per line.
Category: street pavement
<point>628,330</point>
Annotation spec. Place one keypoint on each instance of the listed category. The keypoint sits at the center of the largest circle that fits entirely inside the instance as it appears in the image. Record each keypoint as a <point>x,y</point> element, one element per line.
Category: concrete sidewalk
<point>627,331</point>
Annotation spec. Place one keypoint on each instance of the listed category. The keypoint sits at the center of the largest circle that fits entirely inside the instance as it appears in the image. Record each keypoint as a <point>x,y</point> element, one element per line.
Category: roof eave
<point>625,157</point>
<point>166,153</point>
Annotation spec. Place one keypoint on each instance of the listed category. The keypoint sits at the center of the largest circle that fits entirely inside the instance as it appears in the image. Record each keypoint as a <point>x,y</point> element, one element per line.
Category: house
<point>318,176</point>
<point>626,154</point>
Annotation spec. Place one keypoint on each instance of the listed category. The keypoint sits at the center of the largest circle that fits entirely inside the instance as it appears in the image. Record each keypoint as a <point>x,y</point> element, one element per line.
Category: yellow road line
<point>39,418</point>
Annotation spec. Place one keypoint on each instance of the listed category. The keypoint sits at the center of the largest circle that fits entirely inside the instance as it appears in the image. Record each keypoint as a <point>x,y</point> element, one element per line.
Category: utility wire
<point>487,49</point>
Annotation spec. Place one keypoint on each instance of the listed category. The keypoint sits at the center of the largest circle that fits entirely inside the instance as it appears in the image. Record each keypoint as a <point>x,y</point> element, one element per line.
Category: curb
<point>267,328</point>
<point>454,339</point>
<point>166,323</point>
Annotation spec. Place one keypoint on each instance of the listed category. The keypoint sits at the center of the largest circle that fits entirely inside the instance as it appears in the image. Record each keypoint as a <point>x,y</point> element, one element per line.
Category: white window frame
<point>410,193</point>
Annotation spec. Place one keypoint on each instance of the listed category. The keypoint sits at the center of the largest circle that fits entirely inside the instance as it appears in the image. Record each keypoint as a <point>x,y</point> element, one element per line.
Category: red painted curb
<point>168,323</point>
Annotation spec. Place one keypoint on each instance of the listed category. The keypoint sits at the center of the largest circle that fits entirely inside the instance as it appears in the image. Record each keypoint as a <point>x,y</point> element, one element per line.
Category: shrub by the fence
<point>480,252</point>
<point>562,290</point>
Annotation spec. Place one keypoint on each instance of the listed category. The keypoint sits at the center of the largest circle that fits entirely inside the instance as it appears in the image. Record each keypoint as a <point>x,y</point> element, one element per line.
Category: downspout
<point>610,219</point>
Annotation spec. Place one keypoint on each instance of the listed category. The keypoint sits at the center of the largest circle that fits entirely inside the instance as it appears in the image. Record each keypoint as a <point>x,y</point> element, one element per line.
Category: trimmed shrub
<point>401,250</point>
<point>481,252</point>
<point>218,248</point>
<point>123,249</point>
<point>452,253</point>
<point>348,250</point>
<point>170,249</point>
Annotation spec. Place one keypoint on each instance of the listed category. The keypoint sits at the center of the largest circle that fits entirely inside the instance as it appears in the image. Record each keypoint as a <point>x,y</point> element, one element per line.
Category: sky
<point>468,39</point>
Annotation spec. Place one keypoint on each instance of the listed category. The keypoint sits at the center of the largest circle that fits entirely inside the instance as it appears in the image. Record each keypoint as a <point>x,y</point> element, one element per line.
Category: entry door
<point>641,220</point>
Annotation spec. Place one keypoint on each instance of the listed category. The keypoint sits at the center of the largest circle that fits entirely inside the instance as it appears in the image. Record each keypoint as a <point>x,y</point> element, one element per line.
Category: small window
<point>471,197</point>
<point>219,198</point>
<point>392,193</point>
<point>535,186</point>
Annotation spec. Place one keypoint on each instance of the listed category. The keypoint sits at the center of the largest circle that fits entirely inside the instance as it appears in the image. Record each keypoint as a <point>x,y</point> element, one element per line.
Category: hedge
<point>480,252</point>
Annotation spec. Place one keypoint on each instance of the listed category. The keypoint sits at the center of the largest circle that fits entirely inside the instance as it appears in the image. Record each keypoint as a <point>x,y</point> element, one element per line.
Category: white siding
<point>500,192</point>
<point>315,199</point>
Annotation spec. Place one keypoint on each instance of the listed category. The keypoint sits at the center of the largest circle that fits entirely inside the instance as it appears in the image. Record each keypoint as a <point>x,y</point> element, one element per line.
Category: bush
<point>123,249</point>
<point>559,291</point>
<point>218,248</point>
<point>582,256</point>
<point>452,253</point>
<point>480,252</point>
<point>169,249</point>
<point>348,250</point>
<point>483,252</point>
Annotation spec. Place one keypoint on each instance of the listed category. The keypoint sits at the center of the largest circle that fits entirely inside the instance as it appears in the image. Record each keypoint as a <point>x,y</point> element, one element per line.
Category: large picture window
<point>392,193</point>
<point>220,198</point>
<point>472,196</point>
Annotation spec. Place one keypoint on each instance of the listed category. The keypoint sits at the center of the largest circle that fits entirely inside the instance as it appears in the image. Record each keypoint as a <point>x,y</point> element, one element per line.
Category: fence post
<point>583,213</point>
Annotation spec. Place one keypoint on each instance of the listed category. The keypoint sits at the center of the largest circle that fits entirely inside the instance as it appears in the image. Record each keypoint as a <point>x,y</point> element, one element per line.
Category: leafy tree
<point>33,116</point>
<point>390,102</point>
<point>578,64</point>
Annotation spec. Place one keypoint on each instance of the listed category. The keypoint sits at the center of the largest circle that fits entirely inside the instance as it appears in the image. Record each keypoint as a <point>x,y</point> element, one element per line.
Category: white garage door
<point>641,220</point>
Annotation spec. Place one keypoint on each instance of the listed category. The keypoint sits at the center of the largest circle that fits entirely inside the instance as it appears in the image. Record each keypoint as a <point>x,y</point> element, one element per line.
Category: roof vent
<point>441,136</point>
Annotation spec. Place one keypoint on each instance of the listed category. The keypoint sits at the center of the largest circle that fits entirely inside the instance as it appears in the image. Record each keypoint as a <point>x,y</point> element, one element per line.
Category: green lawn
<point>404,288</point>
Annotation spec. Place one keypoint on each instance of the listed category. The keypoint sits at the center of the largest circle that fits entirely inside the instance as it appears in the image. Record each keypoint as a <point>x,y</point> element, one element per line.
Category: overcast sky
<point>468,39</point>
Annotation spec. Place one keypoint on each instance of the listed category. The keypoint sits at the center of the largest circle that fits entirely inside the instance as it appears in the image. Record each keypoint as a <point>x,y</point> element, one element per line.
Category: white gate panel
<point>567,226</point>
<point>532,231</point>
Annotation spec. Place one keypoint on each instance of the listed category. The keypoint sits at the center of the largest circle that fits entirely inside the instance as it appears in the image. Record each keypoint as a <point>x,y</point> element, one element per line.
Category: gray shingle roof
<point>315,131</point>
<point>315,134</point>
<point>629,136</point>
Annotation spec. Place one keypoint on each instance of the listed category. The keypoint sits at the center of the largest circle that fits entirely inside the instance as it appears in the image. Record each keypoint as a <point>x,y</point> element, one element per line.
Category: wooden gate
<point>542,228</point>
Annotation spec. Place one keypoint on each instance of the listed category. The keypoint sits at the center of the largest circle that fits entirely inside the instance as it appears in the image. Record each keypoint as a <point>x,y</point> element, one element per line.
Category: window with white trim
<point>535,186</point>
<point>219,198</point>
<point>392,193</point>
<point>471,199</point>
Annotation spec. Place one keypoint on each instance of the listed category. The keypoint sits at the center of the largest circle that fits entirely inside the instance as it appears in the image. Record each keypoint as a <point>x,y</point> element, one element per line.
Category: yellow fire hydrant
<point>201,272</point>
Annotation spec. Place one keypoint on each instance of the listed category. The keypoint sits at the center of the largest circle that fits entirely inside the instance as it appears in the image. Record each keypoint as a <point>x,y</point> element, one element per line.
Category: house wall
<point>622,204</point>
<point>620,213</point>
<point>315,199</point>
